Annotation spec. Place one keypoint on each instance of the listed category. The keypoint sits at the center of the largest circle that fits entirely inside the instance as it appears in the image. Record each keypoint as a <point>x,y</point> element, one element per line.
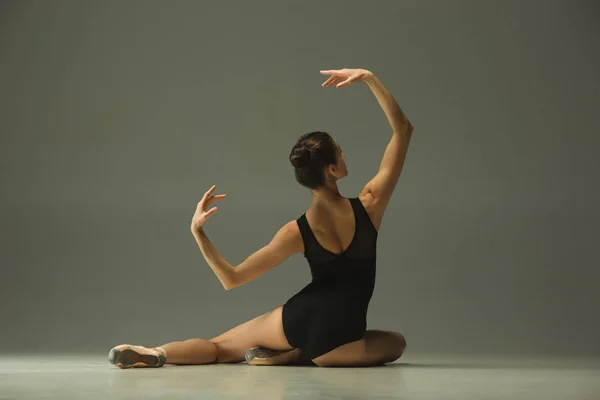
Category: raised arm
<point>382,185</point>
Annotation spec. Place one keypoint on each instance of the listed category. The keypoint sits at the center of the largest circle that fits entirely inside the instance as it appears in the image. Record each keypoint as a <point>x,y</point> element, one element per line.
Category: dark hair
<point>312,152</point>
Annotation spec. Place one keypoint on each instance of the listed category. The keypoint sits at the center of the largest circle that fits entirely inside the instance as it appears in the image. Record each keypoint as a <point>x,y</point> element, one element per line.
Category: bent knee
<point>401,340</point>
<point>399,344</point>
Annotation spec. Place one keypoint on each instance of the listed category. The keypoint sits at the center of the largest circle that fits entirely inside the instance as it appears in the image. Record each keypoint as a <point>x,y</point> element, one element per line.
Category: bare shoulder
<point>372,207</point>
<point>290,234</point>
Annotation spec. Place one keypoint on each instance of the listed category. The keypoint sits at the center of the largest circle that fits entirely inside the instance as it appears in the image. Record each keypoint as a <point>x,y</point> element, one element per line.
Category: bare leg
<point>191,351</point>
<point>266,330</point>
<point>231,346</point>
<point>377,347</point>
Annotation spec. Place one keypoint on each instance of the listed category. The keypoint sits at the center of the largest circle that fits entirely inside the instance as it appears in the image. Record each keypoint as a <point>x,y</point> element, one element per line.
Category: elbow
<point>231,282</point>
<point>406,129</point>
<point>227,285</point>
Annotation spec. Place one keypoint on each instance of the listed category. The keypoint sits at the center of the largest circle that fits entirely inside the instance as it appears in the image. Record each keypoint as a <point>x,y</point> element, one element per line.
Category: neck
<point>327,194</point>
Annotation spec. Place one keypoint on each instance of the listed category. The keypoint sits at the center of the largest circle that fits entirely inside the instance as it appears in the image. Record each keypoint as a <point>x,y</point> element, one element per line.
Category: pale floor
<point>415,377</point>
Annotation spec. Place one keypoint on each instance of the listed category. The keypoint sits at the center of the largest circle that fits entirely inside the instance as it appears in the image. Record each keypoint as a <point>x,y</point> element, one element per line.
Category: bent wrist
<point>368,76</point>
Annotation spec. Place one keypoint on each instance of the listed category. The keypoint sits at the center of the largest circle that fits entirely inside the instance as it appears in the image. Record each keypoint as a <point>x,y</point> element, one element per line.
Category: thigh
<point>377,347</point>
<point>265,330</point>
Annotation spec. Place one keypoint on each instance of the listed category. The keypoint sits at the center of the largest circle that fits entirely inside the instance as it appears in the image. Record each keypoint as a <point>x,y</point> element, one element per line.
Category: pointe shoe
<point>265,356</point>
<point>130,356</point>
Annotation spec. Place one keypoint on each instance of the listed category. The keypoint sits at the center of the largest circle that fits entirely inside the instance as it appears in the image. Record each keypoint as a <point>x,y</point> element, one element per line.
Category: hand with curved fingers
<point>344,77</point>
<point>201,216</point>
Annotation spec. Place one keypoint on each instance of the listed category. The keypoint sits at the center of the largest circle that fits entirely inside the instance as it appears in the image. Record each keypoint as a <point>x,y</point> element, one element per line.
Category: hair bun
<point>300,156</point>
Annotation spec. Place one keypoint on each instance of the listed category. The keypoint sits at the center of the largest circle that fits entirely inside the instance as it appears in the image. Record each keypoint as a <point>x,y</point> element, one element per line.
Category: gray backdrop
<point>117,116</point>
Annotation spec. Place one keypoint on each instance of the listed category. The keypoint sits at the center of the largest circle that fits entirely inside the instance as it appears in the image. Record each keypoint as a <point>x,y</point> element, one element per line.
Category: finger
<point>345,83</point>
<point>335,80</point>
<point>212,211</point>
<point>330,71</point>
<point>328,81</point>
<point>208,192</point>
<point>214,198</point>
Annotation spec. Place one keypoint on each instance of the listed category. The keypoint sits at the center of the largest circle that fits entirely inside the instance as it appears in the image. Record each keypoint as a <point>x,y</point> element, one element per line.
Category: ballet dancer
<point>324,324</point>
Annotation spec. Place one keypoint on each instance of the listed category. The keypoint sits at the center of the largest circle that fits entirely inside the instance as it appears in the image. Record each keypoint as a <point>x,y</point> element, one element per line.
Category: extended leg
<point>191,351</point>
<point>265,330</point>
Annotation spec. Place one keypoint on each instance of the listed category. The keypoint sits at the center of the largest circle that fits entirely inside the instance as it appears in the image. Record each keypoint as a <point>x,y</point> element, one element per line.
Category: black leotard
<point>332,309</point>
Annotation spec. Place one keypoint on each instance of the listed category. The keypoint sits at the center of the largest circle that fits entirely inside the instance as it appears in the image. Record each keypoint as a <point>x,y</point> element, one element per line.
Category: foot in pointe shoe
<point>130,356</point>
<point>265,356</point>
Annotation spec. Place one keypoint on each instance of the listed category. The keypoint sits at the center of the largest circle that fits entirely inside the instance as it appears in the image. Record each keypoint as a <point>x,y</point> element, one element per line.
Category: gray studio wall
<point>116,117</point>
